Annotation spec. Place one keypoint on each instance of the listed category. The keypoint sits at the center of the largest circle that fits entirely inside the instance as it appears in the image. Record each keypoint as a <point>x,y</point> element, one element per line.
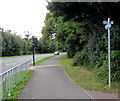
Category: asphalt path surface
<point>49,81</point>
<point>8,63</point>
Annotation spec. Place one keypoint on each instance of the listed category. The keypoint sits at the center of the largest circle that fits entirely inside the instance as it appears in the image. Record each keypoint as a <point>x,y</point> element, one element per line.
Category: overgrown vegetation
<point>102,71</point>
<point>79,27</point>
<point>86,78</point>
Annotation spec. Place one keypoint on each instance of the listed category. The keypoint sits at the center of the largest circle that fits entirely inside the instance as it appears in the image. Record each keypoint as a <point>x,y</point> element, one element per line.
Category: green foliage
<point>49,42</point>
<point>46,45</point>
<point>13,44</point>
<point>94,12</point>
<point>115,38</point>
<point>70,51</point>
<point>86,78</point>
<point>50,25</point>
<point>80,58</point>
<point>70,33</point>
<point>16,91</point>
<point>99,59</point>
<point>102,71</point>
<point>79,27</point>
<point>10,44</point>
<point>26,47</point>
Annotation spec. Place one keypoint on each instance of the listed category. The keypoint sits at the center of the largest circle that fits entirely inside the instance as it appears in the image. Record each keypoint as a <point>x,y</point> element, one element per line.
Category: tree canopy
<point>79,26</point>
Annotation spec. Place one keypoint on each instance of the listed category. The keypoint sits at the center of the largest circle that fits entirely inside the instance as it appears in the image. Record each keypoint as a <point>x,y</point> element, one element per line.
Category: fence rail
<point>11,77</point>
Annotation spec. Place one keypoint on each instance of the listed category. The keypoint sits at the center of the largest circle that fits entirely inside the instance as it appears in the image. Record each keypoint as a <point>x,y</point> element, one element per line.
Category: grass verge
<point>85,78</point>
<point>39,61</point>
<point>15,93</point>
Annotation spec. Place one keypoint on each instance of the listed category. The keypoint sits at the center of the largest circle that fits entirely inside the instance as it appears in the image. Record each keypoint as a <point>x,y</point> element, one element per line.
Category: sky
<point>23,15</point>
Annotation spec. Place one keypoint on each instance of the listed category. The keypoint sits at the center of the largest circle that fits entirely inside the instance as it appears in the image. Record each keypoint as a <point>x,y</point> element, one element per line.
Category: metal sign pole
<point>33,55</point>
<point>34,44</point>
<point>108,26</point>
<point>109,53</point>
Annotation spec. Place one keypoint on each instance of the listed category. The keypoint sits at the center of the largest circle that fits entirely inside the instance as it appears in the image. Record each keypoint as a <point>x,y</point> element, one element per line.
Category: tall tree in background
<point>49,35</point>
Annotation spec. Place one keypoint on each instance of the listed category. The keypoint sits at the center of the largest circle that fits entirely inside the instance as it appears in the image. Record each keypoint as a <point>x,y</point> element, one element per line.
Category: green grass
<point>40,61</point>
<point>85,78</point>
<point>10,82</point>
<point>16,91</point>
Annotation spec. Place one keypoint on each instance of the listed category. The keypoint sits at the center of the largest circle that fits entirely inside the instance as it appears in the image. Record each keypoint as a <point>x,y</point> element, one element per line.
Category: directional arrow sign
<point>107,26</point>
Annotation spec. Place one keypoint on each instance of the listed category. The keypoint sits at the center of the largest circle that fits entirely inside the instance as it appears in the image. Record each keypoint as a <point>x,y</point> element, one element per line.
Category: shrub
<point>81,58</point>
<point>100,58</point>
<point>102,72</point>
<point>71,51</point>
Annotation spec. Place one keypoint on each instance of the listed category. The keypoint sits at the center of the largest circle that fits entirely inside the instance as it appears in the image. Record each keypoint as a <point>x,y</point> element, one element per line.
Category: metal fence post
<point>10,78</point>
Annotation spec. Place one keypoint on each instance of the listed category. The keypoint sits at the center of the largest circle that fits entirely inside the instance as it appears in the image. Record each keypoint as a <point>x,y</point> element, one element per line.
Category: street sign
<point>105,22</point>
<point>34,41</point>
<point>107,26</point>
<point>112,22</point>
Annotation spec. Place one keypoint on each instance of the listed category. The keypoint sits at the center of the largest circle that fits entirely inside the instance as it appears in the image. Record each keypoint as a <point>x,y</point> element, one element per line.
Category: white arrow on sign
<point>107,26</point>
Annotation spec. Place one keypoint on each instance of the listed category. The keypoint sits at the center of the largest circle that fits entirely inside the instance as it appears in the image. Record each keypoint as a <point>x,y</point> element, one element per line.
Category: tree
<point>50,25</point>
<point>13,44</point>
<point>80,28</point>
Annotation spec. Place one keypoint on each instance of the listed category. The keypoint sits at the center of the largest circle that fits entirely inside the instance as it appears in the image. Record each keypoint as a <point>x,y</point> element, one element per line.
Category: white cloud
<point>23,15</point>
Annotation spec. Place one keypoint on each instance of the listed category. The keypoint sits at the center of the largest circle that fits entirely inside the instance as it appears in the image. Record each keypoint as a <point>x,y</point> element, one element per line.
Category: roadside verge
<point>86,79</point>
<point>21,83</point>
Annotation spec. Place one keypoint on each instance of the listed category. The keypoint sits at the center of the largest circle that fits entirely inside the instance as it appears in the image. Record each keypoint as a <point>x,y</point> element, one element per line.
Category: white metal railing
<point>11,77</point>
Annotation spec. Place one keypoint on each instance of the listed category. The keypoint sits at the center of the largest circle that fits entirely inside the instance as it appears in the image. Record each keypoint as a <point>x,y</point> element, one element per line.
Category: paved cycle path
<point>50,82</point>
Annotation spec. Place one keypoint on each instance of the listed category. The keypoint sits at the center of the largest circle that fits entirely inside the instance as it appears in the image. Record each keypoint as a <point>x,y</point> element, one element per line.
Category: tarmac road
<point>8,63</point>
<point>49,81</point>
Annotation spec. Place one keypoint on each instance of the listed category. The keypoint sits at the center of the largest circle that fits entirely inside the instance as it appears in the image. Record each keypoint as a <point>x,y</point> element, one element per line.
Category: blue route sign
<point>107,26</point>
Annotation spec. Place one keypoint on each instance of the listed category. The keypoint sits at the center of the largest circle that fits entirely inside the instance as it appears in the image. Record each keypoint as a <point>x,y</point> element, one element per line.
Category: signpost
<point>34,43</point>
<point>108,26</point>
